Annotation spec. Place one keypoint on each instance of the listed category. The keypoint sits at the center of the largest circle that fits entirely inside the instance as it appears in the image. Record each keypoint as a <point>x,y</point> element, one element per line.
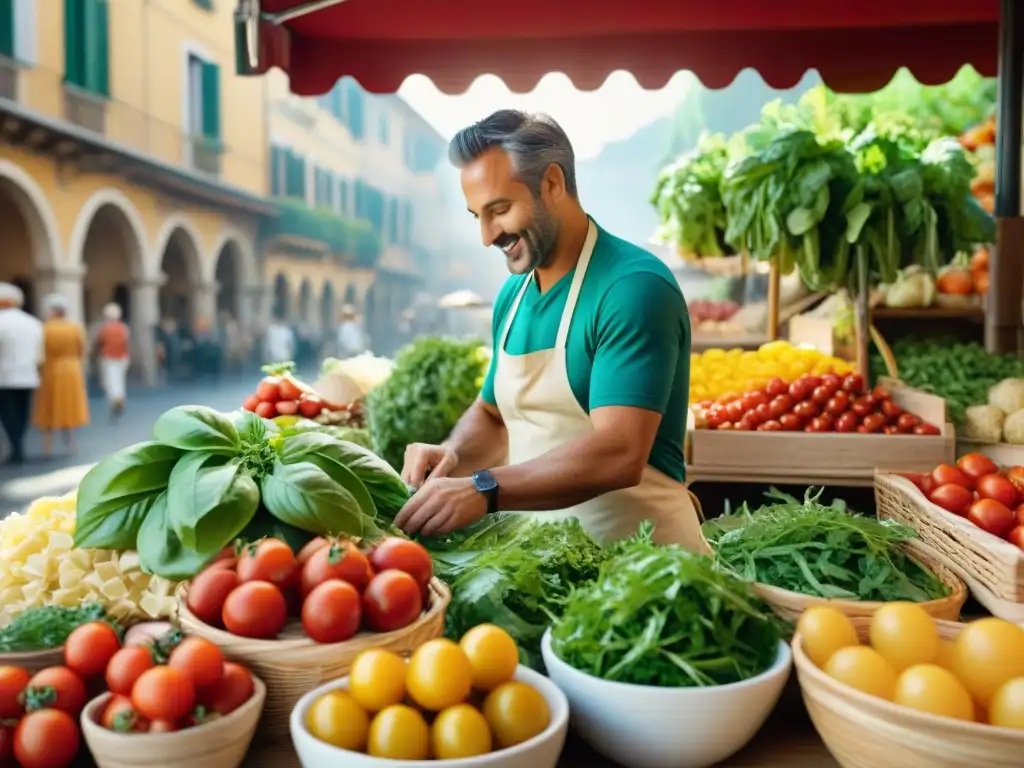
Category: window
<point>382,129</point>
<point>343,203</point>
<point>324,188</point>
<point>370,205</point>
<point>294,175</point>
<point>278,156</point>
<point>18,30</point>
<point>206,5</point>
<point>87,45</point>
<point>393,220</point>
<point>203,117</point>
<point>407,229</point>
<point>354,102</point>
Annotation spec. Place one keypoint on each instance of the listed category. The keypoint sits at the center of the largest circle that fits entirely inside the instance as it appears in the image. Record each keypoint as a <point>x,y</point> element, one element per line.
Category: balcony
<point>85,109</point>
<point>8,78</point>
<point>323,233</point>
<point>205,155</point>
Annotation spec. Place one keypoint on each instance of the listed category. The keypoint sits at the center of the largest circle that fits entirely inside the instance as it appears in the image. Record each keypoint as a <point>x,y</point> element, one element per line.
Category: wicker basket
<point>789,605</point>
<point>862,731</point>
<point>33,661</point>
<point>996,565</point>
<point>294,664</point>
<point>220,743</point>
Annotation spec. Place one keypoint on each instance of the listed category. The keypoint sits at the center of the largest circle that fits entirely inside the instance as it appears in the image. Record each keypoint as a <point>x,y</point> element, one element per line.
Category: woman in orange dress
<point>61,401</point>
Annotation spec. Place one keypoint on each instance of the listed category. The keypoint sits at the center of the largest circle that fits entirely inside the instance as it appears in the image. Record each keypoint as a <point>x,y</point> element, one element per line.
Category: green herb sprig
<point>48,626</point>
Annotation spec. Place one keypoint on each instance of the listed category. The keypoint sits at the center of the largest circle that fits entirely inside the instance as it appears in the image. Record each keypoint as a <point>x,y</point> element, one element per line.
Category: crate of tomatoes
<point>299,619</point>
<point>820,426</point>
<point>971,516</point>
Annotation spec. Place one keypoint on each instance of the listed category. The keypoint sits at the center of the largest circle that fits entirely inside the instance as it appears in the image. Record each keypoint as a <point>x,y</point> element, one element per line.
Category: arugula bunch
<point>660,615</point>
<point>821,550</point>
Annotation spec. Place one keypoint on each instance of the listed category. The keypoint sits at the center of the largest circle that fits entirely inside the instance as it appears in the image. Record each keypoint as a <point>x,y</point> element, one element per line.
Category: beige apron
<point>541,413</point>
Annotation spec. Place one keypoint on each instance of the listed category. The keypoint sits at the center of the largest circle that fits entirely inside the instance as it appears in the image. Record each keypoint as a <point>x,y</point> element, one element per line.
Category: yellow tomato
<point>713,355</point>
<point>337,719</point>
<point>823,631</point>
<point>460,731</point>
<point>493,656</point>
<point>377,679</point>
<point>1007,706</point>
<point>988,653</point>
<point>439,675</point>
<point>944,658</point>
<point>905,635</point>
<point>930,688</point>
<point>515,712</point>
<point>399,732</point>
<point>863,668</point>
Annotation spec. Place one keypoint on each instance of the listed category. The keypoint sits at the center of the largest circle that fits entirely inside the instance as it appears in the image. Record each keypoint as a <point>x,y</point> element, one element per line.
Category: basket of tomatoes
<point>298,620</point>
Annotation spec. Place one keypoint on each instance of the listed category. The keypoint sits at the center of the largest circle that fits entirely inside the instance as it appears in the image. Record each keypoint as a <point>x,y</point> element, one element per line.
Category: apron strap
<point>577,284</point>
<point>512,312</point>
<point>696,505</point>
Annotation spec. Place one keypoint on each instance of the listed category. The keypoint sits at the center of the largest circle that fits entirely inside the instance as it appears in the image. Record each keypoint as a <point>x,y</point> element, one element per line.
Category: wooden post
<point>861,311</point>
<point>774,280</point>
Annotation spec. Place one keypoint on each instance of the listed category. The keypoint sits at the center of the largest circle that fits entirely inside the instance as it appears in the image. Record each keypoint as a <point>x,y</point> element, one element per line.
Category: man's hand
<point>422,459</point>
<point>442,505</point>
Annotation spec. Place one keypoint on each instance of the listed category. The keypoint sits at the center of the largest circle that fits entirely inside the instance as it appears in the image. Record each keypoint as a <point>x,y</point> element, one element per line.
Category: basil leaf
<point>210,501</point>
<point>265,526</point>
<point>161,551</point>
<point>330,455</point>
<point>251,428</point>
<point>305,496</point>
<point>196,428</point>
<point>116,494</point>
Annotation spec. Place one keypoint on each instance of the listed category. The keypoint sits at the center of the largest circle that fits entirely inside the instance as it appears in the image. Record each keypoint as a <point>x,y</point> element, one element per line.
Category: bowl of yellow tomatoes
<point>902,688</point>
<point>455,704</point>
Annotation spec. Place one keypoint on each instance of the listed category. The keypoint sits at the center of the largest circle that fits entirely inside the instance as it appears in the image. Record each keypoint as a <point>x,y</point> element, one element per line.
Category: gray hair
<point>112,311</point>
<point>56,303</point>
<point>12,295</point>
<point>533,141</point>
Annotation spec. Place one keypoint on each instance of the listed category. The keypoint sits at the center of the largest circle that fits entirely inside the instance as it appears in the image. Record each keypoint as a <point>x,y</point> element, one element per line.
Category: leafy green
<point>433,382</point>
<point>265,526</point>
<point>305,496</point>
<point>115,495</point>
<point>48,626</point>
<point>333,458</point>
<point>210,501</point>
<point>161,551</point>
<point>663,616</point>
<point>197,428</point>
<point>519,583</point>
<point>821,550</point>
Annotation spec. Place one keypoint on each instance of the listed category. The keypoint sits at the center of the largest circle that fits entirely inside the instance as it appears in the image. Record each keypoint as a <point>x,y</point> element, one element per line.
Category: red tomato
<point>770,426</point>
<point>120,715</point>
<point>403,555</point>
<point>846,422</point>
<point>250,403</point>
<point>819,424</point>
<point>790,422</point>
<point>233,690</point>
<point>90,647</point>
<point>928,484</point>
<point>976,465</point>
<point>255,609</point>
<point>998,488</point>
<point>310,407</point>
<point>862,407</point>
<point>56,688</point>
<point>310,547</point>
<point>833,381</point>
<point>199,660</point>
<point>735,411</point>
<point>1019,514</point>
<point>1016,476</point>
<point>762,413</point>
<point>944,474</point>
<point>927,429</point>
<point>806,410</point>
<point>268,560</point>
<point>6,744</point>
<point>125,668</point>
<point>289,389</point>
<point>853,383</point>
<point>331,613</point>
<point>163,726</point>
<point>813,381</point>
<point>13,680</point>
<point>341,560</point>
<point>952,498</point>
<point>392,600</point>
<point>800,390</point>
<point>915,477</point>
<point>891,429</point>
<point>163,693</point>
<point>208,591</point>
<point>751,400</point>
<point>269,390</point>
<point>777,387</point>
<point>889,409</point>
<point>266,410</point>
<point>991,516</point>
<point>286,407</point>
<point>873,422</point>
<point>821,395</point>
<point>907,421</point>
<point>838,404</point>
<point>1016,536</point>
<point>780,405</point>
<point>46,739</point>
<point>716,416</point>
<point>726,425</point>
<point>746,424</point>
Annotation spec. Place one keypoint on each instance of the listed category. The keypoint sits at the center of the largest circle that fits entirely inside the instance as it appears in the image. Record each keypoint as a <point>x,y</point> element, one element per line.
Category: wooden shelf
<point>928,313</point>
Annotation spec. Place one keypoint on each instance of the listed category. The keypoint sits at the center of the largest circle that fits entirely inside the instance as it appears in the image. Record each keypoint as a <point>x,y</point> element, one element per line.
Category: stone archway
<point>235,277</point>
<point>305,308</point>
<point>112,254</point>
<point>282,306</point>
<point>352,296</point>
<point>182,292</point>
<point>328,310</point>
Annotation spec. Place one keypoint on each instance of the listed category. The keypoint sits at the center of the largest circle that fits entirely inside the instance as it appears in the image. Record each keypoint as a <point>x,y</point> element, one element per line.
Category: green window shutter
<point>354,102</point>
<point>204,4</point>
<point>7,27</point>
<point>275,171</point>
<point>74,42</point>
<point>408,222</point>
<point>211,101</point>
<point>335,100</point>
<point>95,32</point>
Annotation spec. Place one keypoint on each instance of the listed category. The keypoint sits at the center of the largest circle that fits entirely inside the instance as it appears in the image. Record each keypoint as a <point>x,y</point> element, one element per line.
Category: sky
<point>592,119</point>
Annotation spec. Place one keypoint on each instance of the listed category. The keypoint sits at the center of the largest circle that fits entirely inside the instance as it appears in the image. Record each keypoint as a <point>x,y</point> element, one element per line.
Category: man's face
<point>511,217</point>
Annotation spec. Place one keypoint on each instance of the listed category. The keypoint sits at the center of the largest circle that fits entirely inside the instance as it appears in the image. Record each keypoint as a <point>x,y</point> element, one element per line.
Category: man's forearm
<point>479,440</point>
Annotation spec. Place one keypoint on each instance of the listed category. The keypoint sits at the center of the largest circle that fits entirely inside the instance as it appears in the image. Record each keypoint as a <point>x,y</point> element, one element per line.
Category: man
<point>279,341</point>
<point>589,381</point>
<point>21,354</point>
<point>350,337</point>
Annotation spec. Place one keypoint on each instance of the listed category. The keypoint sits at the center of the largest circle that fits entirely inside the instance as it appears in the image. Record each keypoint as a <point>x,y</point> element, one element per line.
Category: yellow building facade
<point>133,162</point>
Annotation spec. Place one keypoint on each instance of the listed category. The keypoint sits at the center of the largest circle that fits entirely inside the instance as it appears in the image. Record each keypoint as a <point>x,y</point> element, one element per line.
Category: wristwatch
<point>486,484</point>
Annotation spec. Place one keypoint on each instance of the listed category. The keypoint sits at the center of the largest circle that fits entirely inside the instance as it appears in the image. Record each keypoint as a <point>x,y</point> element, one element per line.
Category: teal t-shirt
<point>629,341</point>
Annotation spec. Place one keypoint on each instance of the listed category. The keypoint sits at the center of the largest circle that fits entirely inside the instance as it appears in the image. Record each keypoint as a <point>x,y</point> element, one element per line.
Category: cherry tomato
<point>13,680</point>
<point>777,387</point>
<point>944,474</point>
<point>821,395</point>
<point>790,422</point>
<point>1016,536</point>
<point>726,425</point>
<point>208,591</point>
<point>745,425</point>
<point>266,410</point>
<point>56,688</point>
<point>162,726</point>
<point>268,560</point>
<point>907,421</point>
<point>199,660</point>
<point>716,416</point>
<point>846,422</point>
<point>838,404</point>
<point>753,399</point>
<point>46,739</point>
<point>234,689</point>
<point>770,426</point>
<point>800,390</point>
<point>812,380</point>
<point>927,429</point>
<point>780,405</point>
<point>286,407</point>
<point>163,693</point>
<point>952,498</point>
<point>862,407</point>
<point>874,422</point>
<point>832,380</point>
<point>289,389</point>
<point>403,555</point>
<point>735,411</point>
<point>392,600</point>
<point>250,403</point>
<point>928,484</point>
<point>853,383</point>
<point>309,548</point>
<point>891,411</point>
<point>255,609</point>
<point>120,715</point>
<point>762,413</point>
<point>1019,514</point>
<point>1016,476</point>
<point>881,393</point>
<point>310,406</point>
<point>90,647</point>
<point>914,477</point>
<point>126,666</point>
<point>332,612</point>
<point>891,429</point>
<point>819,424</point>
<point>806,410</point>
<point>998,488</point>
<point>269,390</point>
<point>991,516</point>
<point>341,560</point>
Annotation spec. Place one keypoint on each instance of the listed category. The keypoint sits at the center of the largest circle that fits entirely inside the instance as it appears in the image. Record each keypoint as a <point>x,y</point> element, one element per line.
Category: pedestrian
<point>61,402</point>
<point>113,345</point>
<point>279,343</point>
<point>351,338</point>
<point>21,354</point>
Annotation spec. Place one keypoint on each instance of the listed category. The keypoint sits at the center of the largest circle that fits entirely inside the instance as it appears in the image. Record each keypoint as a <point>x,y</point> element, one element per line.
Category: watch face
<point>485,481</point>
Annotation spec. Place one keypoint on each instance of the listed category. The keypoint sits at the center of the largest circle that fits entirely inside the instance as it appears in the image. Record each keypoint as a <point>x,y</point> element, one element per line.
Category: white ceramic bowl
<point>650,727</point>
<point>542,751</point>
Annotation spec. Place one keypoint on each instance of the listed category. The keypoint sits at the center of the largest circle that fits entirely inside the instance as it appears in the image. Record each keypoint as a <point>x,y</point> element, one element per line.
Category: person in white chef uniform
<point>588,386</point>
